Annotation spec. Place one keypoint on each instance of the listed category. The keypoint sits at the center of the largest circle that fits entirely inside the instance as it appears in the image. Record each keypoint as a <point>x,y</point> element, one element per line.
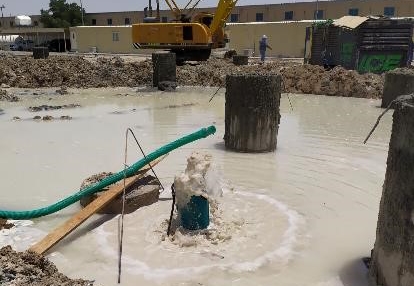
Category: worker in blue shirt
<point>262,47</point>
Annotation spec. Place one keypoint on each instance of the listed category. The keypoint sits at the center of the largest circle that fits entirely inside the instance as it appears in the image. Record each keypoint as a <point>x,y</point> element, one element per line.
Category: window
<point>11,24</point>
<point>353,12</point>
<point>164,19</point>
<point>115,36</point>
<point>289,15</point>
<point>187,33</point>
<point>93,22</point>
<point>36,23</point>
<point>318,14</point>
<point>259,17</point>
<point>389,11</point>
<point>234,18</point>
<point>127,21</point>
<point>109,22</point>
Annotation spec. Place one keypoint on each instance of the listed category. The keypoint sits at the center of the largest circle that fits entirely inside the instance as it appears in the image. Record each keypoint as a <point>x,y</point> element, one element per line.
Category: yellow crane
<point>190,35</point>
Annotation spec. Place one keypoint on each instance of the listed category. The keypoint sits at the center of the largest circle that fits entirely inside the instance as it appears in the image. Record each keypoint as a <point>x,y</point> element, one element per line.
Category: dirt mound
<point>72,71</point>
<point>297,78</point>
<point>77,72</point>
<point>28,268</point>
<point>336,82</point>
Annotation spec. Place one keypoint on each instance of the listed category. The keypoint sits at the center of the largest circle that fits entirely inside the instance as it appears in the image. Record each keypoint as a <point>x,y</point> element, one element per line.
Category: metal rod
<point>188,4</point>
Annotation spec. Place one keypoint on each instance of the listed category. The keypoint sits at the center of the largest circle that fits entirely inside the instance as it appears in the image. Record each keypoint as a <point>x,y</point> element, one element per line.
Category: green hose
<point>130,171</point>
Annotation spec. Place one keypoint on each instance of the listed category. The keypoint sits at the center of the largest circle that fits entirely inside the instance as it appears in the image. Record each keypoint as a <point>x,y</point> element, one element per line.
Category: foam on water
<point>204,243</point>
<point>21,236</point>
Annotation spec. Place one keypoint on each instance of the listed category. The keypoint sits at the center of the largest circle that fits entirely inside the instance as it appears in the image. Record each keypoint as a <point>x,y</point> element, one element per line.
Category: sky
<point>32,7</point>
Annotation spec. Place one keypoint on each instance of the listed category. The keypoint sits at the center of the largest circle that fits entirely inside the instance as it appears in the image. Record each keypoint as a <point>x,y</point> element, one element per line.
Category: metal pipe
<point>188,4</point>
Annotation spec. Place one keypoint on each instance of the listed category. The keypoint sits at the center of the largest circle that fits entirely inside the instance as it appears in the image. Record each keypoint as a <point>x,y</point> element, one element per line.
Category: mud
<point>47,118</point>
<point>28,268</point>
<point>6,96</point>
<point>52,107</point>
<point>77,72</point>
<point>4,224</point>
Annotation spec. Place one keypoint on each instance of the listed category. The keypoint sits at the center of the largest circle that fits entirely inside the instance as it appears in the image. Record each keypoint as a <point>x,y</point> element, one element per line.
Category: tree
<point>61,15</point>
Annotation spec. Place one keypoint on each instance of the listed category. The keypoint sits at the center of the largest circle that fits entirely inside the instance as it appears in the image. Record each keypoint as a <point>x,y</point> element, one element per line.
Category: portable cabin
<point>365,44</point>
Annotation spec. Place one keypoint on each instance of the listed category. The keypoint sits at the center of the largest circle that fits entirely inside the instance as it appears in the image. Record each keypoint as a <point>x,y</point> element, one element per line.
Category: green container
<point>195,215</point>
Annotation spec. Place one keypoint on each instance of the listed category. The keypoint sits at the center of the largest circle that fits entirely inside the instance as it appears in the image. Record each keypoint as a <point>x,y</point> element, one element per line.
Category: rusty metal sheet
<point>350,22</point>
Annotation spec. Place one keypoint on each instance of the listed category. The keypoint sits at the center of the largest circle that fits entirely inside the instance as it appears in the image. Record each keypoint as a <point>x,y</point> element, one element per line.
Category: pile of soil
<point>29,268</point>
<point>77,72</point>
<point>297,78</point>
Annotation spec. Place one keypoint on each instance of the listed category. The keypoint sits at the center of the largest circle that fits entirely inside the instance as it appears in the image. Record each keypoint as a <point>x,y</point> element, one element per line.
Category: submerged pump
<point>191,192</point>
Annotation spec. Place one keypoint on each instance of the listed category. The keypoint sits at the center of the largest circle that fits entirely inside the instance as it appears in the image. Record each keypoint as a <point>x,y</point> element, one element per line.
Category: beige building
<point>322,10</point>
<point>103,39</point>
<point>287,39</point>
<point>279,12</point>
<point>263,13</point>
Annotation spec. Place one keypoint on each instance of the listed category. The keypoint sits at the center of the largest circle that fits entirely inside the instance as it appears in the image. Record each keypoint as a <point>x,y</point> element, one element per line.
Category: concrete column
<point>164,70</point>
<point>240,60</point>
<point>392,261</point>
<point>397,82</point>
<point>252,112</point>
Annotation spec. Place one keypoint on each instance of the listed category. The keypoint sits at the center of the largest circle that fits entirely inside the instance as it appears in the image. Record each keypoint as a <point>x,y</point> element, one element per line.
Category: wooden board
<point>66,228</point>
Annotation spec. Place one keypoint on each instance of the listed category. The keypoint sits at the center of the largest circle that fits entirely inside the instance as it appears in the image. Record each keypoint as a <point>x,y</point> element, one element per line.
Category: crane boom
<point>222,13</point>
<point>174,8</point>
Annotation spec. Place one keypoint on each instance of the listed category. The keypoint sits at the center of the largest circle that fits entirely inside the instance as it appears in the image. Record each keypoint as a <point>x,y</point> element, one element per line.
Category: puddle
<point>295,217</point>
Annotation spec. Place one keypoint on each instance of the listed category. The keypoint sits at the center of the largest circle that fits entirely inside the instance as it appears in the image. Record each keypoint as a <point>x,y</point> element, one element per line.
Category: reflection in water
<point>321,174</point>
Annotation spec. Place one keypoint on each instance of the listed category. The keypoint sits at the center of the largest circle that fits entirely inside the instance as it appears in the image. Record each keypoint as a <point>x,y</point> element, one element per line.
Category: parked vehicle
<point>58,45</point>
<point>22,45</point>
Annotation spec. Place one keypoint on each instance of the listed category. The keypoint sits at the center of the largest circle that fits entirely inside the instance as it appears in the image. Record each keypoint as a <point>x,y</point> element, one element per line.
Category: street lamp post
<point>83,23</point>
<point>1,8</point>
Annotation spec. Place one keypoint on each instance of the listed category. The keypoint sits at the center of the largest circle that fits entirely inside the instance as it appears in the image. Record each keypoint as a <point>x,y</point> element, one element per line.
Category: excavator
<point>190,35</point>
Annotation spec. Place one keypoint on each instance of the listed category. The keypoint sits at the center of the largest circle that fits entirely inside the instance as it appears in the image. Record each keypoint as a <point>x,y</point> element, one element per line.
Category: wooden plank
<point>66,228</point>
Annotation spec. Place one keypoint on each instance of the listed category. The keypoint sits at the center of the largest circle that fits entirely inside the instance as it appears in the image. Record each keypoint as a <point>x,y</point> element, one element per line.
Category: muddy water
<point>303,215</point>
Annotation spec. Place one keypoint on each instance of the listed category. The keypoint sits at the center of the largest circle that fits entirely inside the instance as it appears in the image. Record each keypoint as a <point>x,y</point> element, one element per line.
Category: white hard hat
<point>264,37</point>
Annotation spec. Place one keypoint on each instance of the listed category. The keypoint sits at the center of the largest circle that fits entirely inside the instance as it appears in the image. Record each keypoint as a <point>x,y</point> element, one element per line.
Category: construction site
<point>196,152</point>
